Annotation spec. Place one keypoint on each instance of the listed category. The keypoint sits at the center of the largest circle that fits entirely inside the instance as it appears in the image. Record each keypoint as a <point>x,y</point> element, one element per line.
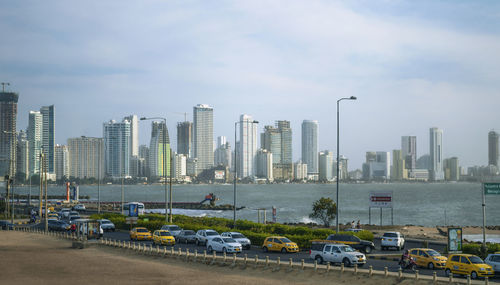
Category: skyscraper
<point>310,145</point>
<point>248,146</point>
<point>8,119</point>
<point>134,134</point>
<point>325,165</point>
<point>493,148</point>
<point>184,138</point>
<point>160,141</point>
<point>436,154</point>
<point>271,141</point>
<point>86,157</point>
<point>61,158</point>
<point>22,159</point>
<point>48,135</point>
<point>377,165</point>
<point>117,148</point>
<point>409,151</point>
<point>203,136</point>
<point>35,125</point>
<point>286,141</point>
<point>398,166</point>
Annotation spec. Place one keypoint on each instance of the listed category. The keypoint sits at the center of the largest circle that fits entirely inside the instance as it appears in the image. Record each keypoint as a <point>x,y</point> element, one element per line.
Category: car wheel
<point>197,242</point>
<point>346,262</point>
<point>210,248</point>
<point>447,272</point>
<point>319,259</point>
<point>398,248</point>
<point>186,241</point>
<point>473,275</point>
<point>224,250</point>
<point>265,249</point>
<point>368,249</point>
<point>283,250</point>
<point>430,265</point>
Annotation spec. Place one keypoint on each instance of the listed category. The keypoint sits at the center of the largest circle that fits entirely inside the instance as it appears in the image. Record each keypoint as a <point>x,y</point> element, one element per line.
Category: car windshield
<point>390,235</point>
<point>238,236</point>
<point>105,222</point>
<point>346,249</point>
<point>189,233</point>
<point>433,253</point>
<point>174,228</point>
<point>165,234</point>
<point>212,233</point>
<point>285,240</point>
<point>475,260</point>
<point>229,240</point>
<point>142,230</point>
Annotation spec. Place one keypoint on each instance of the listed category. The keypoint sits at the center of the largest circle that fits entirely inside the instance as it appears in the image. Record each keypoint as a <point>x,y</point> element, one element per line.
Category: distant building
<point>310,145</point>
<point>424,162</point>
<point>493,148</point>
<point>8,120</point>
<point>144,161</point>
<point>264,163</point>
<point>48,136</point>
<point>159,143</point>
<point>180,166</point>
<point>399,171</point>
<point>451,169</point>
<point>409,151</point>
<point>192,167</point>
<point>86,157</point>
<point>203,136</point>
<point>343,168</point>
<point>117,148</point>
<point>278,141</point>
<point>377,166</point>
<point>61,158</point>
<point>326,161</point>
<point>418,174</point>
<point>22,152</point>
<point>185,138</point>
<point>436,154</point>
<point>35,127</point>
<point>300,171</point>
<point>134,135</point>
<point>223,155</point>
<point>247,151</point>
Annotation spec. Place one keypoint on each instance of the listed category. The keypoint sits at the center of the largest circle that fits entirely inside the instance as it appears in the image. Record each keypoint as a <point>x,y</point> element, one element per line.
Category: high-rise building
<point>409,151</point>
<point>398,171</point>
<point>179,165</point>
<point>223,155</point>
<point>48,136</point>
<point>451,169</point>
<point>144,161</point>
<point>22,159</point>
<point>203,136</point>
<point>61,157</point>
<point>271,141</point>
<point>300,171</point>
<point>325,164</point>
<point>160,142</point>
<point>264,163</point>
<point>286,141</point>
<point>35,126</point>
<point>310,145</point>
<point>134,134</point>
<point>436,154</point>
<point>493,148</point>
<point>248,146</point>
<point>343,168</point>
<point>377,165</point>
<point>8,119</point>
<point>86,157</point>
<point>117,148</point>
<point>185,138</point>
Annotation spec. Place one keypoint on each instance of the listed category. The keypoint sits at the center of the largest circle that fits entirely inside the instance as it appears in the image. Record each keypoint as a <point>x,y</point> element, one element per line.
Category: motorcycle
<point>409,264</point>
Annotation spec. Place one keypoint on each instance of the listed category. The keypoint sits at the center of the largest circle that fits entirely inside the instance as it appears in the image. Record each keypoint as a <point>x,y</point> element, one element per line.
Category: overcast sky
<point>412,64</point>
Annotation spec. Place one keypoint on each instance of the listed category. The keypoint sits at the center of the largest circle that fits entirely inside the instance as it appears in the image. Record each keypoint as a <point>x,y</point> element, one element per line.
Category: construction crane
<point>3,85</point>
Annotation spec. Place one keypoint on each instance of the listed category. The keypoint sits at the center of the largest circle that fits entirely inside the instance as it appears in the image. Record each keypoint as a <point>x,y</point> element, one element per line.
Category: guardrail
<point>244,262</point>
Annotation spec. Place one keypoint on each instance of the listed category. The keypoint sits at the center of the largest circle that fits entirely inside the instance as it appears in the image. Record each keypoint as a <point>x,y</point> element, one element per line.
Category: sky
<point>412,65</point>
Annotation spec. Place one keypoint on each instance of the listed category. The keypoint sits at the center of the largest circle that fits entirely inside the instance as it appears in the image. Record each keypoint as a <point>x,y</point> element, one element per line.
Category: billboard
<point>219,174</point>
<point>454,239</point>
<point>381,199</point>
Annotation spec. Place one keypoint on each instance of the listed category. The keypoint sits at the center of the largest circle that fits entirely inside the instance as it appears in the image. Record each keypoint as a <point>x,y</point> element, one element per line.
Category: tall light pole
<point>338,158</point>
<point>99,178</point>
<point>235,178</point>
<point>164,167</point>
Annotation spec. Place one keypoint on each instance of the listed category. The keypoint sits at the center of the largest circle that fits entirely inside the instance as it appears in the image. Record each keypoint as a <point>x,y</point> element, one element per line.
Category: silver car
<point>494,261</point>
<point>107,225</point>
<point>172,229</point>
<point>238,237</point>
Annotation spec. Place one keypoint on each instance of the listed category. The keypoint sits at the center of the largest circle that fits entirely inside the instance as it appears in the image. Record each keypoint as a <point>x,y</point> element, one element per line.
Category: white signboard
<point>381,199</point>
<point>219,174</point>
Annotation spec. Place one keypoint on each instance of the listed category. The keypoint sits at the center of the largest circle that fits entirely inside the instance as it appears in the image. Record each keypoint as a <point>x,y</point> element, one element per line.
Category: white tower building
<point>310,145</point>
<point>436,172</point>
<point>248,146</point>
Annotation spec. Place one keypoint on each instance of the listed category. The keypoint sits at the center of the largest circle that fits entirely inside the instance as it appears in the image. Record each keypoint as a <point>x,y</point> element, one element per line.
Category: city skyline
<point>412,66</point>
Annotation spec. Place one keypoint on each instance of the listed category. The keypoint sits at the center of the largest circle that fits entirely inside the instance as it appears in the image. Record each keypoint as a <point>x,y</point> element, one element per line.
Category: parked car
<point>392,239</point>
<point>353,241</point>
<point>428,257</point>
<point>79,207</point>
<point>202,236</point>
<point>186,236</point>
<point>64,213</point>
<point>6,225</point>
<point>354,230</point>
<point>173,229</point>
<point>162,237</point>
<point>223,244</point>
<point>53,216</point>
<point>240,238</point>
<point>140,233</point>
<point>493,260</point>
<point>336,253</point>
<point>107,225</point>
<point>279,243</point>
<point>468,264</point>
<point>59,226</point>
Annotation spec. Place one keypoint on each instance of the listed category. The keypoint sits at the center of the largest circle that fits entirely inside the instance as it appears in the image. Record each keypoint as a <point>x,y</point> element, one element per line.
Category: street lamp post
<point>99,178</point>
<point>164,167</point>
<point>235,178</point>
<point>338,158</point>
<point>12,165</point>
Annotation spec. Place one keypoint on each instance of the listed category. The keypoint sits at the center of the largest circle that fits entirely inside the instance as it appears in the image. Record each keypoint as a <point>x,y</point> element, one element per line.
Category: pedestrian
<point>352,225</point>
<point>358,225</point>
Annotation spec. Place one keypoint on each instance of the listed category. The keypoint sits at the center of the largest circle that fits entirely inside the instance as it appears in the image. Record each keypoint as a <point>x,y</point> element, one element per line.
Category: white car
<point>203,236</point>
<point>223,244</point>
<point>79,207</point>
<point>494,261</point>
<point>336,253</point>
<point>392,239</point>
<point>238,237</point>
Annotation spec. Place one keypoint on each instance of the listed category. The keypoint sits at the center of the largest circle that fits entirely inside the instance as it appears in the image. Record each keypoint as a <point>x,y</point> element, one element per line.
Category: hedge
<point>254,231</point>
<point>475,248</point>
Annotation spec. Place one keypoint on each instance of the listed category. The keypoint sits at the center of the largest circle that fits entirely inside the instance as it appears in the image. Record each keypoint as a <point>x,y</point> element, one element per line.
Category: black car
<point>356,243</point>
<point>6,225</point>
<point>186,236</point>
<point>56,225</point>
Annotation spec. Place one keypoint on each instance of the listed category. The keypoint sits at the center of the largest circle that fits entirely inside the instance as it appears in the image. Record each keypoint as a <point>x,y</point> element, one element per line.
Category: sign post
<point>380,200</point>
<point>488,189</point>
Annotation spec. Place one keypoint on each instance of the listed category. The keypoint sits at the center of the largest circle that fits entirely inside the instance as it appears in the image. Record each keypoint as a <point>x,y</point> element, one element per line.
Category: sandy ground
<point>35,259</point>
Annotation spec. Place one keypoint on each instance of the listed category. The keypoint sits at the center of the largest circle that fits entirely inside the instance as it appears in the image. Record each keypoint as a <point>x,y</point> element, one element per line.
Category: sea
<point>424,204</point>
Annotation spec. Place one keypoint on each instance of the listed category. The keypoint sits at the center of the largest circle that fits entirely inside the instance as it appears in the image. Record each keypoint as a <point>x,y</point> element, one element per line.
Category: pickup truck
<point>336,253</point>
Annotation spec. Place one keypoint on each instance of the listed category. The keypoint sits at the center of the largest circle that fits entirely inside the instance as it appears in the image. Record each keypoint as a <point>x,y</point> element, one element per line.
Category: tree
<point>325,210</point>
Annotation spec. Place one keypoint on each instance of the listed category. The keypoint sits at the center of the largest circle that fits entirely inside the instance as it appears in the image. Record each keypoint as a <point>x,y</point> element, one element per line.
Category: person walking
<point>352,225</point>
<point>358,225</point>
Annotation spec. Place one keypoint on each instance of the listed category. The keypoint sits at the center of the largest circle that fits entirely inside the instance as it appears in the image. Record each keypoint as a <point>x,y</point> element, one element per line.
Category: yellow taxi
<point>53,216</point>
<point>428,257</point>
<point>468,264</point>
<point>278,243</point>
<point>163,237</point>
<point>140,233</point>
